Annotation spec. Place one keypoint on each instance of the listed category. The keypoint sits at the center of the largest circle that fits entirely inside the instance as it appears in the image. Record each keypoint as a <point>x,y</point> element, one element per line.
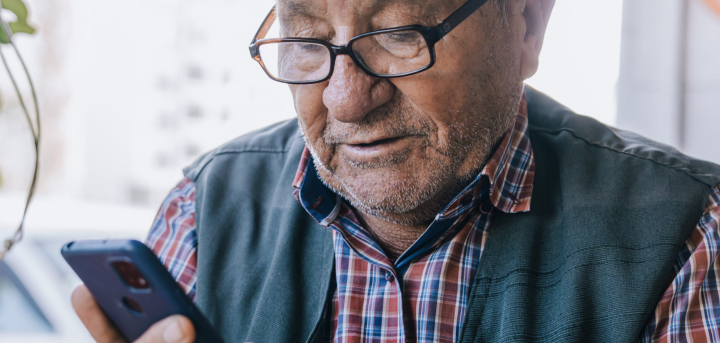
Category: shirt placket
<point>382,293</point>
<point>388,292</point>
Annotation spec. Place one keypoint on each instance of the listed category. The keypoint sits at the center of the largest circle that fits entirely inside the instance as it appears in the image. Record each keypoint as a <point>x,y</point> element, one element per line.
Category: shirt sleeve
<point>689,310</point>
<point>173,236</point>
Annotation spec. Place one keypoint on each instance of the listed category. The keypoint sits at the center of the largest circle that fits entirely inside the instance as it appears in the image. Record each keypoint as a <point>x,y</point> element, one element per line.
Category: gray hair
<point>503,8</point>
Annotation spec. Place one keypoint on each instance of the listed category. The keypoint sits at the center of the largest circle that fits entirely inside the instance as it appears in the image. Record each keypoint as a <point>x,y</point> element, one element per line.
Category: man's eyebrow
<point>293,8</point>
<point>303,8</point>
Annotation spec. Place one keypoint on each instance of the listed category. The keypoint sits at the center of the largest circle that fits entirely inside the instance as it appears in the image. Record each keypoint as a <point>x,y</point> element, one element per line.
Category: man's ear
<point>536,15</point>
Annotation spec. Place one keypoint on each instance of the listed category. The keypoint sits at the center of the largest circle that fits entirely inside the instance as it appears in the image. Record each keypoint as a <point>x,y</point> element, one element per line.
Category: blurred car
<point>35,281</point>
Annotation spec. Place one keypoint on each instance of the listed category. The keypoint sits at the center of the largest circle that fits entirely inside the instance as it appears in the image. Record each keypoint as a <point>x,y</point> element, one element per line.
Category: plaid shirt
<point>369,303</point>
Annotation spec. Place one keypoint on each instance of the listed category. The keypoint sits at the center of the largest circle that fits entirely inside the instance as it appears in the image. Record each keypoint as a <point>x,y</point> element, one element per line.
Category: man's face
<point>399,149</point>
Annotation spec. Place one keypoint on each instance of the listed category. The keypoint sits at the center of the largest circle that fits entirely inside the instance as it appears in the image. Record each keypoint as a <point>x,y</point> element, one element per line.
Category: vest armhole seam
<point>685,171</point>
<point>199,167</point>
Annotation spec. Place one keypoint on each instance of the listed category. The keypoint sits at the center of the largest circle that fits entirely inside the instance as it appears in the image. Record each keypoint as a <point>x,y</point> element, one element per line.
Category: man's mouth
<point>372,151</point>
<point>377,142</point>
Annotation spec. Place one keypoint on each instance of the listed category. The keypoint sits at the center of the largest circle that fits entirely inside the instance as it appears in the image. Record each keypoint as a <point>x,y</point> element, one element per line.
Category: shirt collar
<point>510,171</point>
<point>317,199</point>
<point>511,168</point>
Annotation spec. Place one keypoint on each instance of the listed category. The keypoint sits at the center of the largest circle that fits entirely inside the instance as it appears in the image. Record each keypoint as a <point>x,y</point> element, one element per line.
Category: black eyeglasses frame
<point>431,35</point>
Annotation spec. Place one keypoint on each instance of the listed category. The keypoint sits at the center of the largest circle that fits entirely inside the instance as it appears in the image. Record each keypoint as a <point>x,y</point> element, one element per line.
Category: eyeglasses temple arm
<point>458,17</point>
<point>267,23</point>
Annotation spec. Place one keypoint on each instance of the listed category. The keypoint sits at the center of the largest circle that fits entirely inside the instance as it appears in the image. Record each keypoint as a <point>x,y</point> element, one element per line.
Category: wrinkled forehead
<point>359,12</point>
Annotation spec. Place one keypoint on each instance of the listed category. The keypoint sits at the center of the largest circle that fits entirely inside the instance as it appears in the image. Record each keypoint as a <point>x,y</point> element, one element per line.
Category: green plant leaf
<point>20,25</point>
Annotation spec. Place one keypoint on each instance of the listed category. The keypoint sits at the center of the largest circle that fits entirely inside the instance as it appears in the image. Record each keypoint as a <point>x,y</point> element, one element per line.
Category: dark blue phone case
<point>92,259</point>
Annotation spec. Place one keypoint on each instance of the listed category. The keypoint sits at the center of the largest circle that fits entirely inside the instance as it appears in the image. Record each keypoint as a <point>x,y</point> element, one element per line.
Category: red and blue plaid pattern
<point>173,236</point>
<point>689,311</point>
<point>369,305</point>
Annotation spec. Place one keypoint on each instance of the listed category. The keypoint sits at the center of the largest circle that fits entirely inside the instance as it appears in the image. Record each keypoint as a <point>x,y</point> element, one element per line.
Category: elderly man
<point>424,194</point>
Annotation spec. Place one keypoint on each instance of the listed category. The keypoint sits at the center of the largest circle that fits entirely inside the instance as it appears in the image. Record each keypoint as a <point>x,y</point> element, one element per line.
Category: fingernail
<point>173,333</point>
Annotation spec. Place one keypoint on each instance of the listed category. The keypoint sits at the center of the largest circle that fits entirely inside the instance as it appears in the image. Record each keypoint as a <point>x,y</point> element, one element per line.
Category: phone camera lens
<point>132,305</point>
<point>130,274</point>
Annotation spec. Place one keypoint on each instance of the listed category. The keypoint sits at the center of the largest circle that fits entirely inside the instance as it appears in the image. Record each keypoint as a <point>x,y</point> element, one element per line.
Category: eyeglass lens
<point>385,54</point>
<point>393,53</point>
<point>296,61</point>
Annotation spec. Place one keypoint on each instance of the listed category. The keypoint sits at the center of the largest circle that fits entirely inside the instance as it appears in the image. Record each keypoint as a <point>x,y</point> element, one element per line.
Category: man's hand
<point>173,329</point>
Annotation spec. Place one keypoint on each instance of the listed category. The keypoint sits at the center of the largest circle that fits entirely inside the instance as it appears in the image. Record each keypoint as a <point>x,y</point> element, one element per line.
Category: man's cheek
<point>310,110</point>
<point>314,137</point>
<point>313,127</point>
<point>308,101</point>
<point>316,143</point>
<point>421,90</point>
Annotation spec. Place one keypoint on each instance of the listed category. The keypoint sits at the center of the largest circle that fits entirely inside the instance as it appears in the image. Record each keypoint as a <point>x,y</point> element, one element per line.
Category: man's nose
<point>352,93</point>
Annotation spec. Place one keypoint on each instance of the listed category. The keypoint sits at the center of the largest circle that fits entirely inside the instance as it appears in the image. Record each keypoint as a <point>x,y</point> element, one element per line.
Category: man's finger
<point>173,329</point>
<point>94,319</point>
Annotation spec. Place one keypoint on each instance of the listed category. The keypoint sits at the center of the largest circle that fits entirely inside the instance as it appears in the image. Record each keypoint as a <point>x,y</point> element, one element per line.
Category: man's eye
<point>400,36</point>
<point>311,48</point>
<point>403,37</point>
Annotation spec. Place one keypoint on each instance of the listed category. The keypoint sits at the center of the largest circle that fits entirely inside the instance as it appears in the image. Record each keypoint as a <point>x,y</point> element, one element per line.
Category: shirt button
<point>486,207</point>
<point>389,277</point>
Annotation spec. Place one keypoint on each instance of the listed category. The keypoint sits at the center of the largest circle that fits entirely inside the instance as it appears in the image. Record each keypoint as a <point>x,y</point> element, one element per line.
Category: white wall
<point>580,60</point>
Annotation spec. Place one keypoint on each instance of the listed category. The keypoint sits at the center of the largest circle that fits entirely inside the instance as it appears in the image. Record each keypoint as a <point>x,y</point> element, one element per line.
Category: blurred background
<point>133,91</point>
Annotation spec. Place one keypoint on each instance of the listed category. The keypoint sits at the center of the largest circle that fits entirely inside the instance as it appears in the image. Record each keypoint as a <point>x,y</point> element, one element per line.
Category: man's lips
<point>376,150</point>
<point>369,143</point>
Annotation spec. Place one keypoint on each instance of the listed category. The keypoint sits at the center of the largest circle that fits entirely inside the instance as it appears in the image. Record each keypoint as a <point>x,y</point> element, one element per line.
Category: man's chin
<point>393,197</point>
<point>409,192</point>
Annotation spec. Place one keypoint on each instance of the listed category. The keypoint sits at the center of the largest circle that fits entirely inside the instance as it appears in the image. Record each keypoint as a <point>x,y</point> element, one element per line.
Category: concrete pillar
<point>669,84</point>
<point>650,69</point>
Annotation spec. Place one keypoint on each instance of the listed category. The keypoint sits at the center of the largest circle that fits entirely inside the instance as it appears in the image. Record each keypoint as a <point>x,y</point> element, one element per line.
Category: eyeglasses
<point>387,53</point>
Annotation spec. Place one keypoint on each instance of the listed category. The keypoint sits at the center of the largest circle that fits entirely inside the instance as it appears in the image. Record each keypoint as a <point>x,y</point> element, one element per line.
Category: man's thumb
<point>173,329</point>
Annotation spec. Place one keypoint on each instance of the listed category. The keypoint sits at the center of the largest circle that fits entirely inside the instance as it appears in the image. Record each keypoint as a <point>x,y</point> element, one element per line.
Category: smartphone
<point>133,288</point>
